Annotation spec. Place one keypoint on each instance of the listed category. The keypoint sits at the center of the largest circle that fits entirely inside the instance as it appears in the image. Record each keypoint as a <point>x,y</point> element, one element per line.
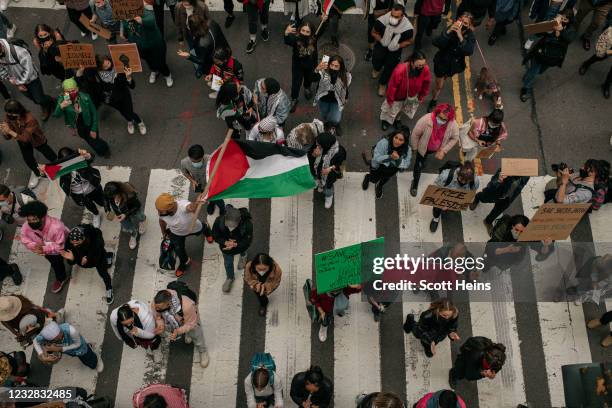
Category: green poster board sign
<point>351,265</point>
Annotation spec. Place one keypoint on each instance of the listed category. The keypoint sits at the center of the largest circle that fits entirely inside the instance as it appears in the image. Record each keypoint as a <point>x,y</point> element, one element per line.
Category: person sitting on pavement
<point>24,319</point>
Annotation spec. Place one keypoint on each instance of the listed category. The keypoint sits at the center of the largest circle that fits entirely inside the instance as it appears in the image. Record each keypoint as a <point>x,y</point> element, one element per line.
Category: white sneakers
<point>204,359</point>
<point>100,366</point>
<point>10,33</point>
<point>213,95</point>
<point>142,128</point>
<point>97,221</point>
<point>94,36</point>
<point>152,77</point>
<point>142,227</point>
<point>83,34</point>
<point>133,242</point>
<point>34,182</point>
<point>169,81</point>
<point>131,128</point>
<point>329,200</point>
<point>188,339</point>
<point>242,262</point>
<point>322,333</point>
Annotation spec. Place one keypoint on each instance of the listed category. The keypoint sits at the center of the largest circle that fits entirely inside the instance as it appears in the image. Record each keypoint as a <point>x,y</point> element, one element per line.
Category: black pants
<point>75,15</point>
<point>158,9</point>
<point>97,144</point>
<point>500,27</point>
<point>126,109</point>
<point>179,246</point>
<point>57,264</point>
<point>27,152</point>
<point>549,195</point>
<point>36,94</point>
<point>425,25</point>
<point>606,319</point>
<point>594,58</point>
<point>385,60</point>
<point>156,59</point>
<point>437,212</point>
<point>382,174</point>
<point>5,270</point>
<point>253,11</point>
<point>263,300</point>
<point>419,163</point>
<point>5,93</point>
<point>501,204</point>
<point>334,24</point>
<point>102,268</point>
<point>268,401</point>
<point>90,200</point>
<point>300,75</point>
<point>228,6</point>
<point>371,20</point>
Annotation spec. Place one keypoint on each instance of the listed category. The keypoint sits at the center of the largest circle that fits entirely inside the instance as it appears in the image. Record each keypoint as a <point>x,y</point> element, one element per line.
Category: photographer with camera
<point>574,188</point>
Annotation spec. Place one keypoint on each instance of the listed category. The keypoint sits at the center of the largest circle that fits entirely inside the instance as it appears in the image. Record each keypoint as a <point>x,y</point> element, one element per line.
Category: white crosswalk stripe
<point>356,347</point>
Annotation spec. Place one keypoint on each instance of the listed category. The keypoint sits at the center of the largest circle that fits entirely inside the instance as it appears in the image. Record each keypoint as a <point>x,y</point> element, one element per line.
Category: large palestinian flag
<point>64,166</point>
<point>258,170</point>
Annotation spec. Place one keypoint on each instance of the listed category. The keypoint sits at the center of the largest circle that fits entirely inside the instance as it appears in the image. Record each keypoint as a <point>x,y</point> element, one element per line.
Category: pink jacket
<point>52,236</point>
<point>423,402</point>
<point>419,138</point>
<point>190,314</point>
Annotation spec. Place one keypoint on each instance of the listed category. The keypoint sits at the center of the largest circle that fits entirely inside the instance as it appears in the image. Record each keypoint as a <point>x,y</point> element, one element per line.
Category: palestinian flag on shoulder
<point>258,170</point>
<point>63,166</point>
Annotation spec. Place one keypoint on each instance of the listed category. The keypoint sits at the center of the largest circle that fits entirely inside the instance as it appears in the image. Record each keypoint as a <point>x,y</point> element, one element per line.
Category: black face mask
<point>333,74</point>
<point>414,72</point>
<point>584,173</point>
<point>36,225</point>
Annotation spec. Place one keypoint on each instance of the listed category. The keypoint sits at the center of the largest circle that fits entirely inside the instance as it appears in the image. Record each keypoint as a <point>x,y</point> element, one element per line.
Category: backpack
<point>263,360</point>
<point>167,255</point>
<point>500,227</point>
<point>550,51</point>
<point>452,166</point>
<point>182,289</point>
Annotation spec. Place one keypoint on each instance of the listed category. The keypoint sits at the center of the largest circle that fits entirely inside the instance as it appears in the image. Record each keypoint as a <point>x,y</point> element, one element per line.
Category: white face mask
<point>515,234</point>
<point>231,228</point>
<point>440,121</point>
<point>261,273</point>
<point>393,21</point>
<point>197,165</point>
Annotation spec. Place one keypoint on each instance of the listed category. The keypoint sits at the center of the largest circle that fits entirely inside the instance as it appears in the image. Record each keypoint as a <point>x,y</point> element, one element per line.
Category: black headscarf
<point>272,86</point>
<point>326,141</point>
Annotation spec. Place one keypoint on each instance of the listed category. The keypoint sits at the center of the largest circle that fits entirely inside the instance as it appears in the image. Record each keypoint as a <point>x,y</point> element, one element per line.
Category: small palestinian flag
<point>258,170</point>
<point>64,166</point>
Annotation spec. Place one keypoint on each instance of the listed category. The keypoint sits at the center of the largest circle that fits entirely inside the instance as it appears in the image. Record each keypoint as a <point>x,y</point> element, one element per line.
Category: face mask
<point>73,94</point>
<point>515,234</point>
<point>440,121</point>
<point>231,228</point>
<point>189,8</point>
<point>584,173</point>
<point>35,225</point>
<point>414,72</point>
<point>197,165</point>
<point>260,273</point>
<point>333,74</point>
<point>494,125</point>
<point>393,21</point>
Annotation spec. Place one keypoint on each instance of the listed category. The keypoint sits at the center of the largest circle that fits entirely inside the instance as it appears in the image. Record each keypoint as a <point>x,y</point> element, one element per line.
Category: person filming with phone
<point>572,187</point>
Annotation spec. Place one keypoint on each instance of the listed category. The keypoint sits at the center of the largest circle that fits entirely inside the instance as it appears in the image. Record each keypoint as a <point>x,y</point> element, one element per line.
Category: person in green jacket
<point>80,116</point>
<point>151,44</point>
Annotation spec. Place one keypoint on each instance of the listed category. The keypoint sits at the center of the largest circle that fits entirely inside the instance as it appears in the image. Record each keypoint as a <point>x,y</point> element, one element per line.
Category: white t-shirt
<point>180,222</point>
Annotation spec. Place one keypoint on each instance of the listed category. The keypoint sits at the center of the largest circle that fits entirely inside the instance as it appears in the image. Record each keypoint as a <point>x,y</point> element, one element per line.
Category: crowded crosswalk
<point>554,334</point>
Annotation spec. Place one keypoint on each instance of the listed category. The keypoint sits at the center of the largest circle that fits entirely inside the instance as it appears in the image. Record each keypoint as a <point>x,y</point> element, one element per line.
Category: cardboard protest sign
<point>95,28</point>
<point>127,9</point>
<point>519,167</point>
<point>338,268</point>
<point>537,28</point>
<point>125,54</point>
<point>487,152</point>
<point>447,198</point>
<point>554,221</point>
<point>76,55</point>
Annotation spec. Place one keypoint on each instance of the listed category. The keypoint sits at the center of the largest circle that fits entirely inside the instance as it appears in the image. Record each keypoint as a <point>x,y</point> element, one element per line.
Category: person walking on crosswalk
<point>326,157</point>
<point>134,324</point>
<point>329,304</point>
<point>121,201</point>
<point>479,358</point>
<point>234,234</point>
<point>262,275</point>
<point>458,177</point>
<point>175,219</point>
<point>57,339</point>
<point>177,313</point>
<point>85,248</point>
<point>45,236</point>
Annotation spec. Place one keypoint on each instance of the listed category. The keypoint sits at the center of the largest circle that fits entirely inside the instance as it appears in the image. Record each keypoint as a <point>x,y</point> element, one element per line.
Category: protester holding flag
<point>45,236</point>
<point>332,11</point>
<point>392,33</point>
<point>20,125</point>
<point>332,91</point>
<point>326,158</point>
<point>236,106</point>
<point>254,9</point>
<point>81,116</point>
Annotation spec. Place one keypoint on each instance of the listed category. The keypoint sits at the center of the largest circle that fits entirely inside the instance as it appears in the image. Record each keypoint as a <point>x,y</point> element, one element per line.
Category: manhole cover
<point>343,50</point>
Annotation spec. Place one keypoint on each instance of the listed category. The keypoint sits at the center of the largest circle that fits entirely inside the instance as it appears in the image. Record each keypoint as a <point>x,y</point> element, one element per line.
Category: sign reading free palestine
<point>340,267</point>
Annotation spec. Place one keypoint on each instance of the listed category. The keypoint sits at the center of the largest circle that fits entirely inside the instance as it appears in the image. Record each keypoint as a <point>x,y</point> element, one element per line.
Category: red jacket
<point>325,301</point>
<point>399,87</point>
<point>232,72</point>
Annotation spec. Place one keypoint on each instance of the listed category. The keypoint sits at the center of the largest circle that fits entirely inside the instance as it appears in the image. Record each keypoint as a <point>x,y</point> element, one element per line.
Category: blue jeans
<point>534,69</point>
<point>330,111</point>
<point>90,359</point>
<point>228,262</point>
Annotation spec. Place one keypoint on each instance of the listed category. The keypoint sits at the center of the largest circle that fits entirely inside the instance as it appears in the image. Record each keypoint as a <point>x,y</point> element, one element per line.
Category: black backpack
<point>550,51</point>
<point>17,42</point>
<point>182,289</point>
<point>452,166</point>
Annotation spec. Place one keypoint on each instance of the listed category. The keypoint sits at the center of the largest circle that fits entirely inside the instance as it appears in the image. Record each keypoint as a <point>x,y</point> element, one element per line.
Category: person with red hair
<point>436,132</point>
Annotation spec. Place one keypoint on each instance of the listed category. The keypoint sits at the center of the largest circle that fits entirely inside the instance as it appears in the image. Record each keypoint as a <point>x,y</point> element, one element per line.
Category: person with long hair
<point>134,324</point>
<point>271,100</point>
<point>325,158</point>
<point>47,41</point>
<point>454,44</point>
<point>304,59</point>
<point>312,386</point>
<point>236,106</point>
<point>263,389</point>
<point>184,10</point>
<point>434,325</point>
<point>115,88</point>
<point>391,154</point>
<point>20,125</point>
<point>434,133</point>
<point>332,91</point>
<point>203,36</point>
<point>441,399</point>
<point>380,400</point>
<point>262,275</point>
<point>121,201</point>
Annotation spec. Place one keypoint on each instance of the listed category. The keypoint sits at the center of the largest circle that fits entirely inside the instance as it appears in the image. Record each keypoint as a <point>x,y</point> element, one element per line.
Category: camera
<point>560,167</point>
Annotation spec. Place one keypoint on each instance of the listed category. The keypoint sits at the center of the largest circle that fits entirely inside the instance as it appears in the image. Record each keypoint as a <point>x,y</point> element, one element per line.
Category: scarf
<point>438,131</point>
<point>170,315</point>
<point>274,93</point>
<point>323,161</point>
<point>391,37</point>
<point>108,76</point>
<point>339,88</point>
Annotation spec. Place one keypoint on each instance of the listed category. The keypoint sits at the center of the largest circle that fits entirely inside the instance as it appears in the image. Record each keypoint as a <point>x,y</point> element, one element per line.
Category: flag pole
<point>323,20</point>
<point>213,173</point>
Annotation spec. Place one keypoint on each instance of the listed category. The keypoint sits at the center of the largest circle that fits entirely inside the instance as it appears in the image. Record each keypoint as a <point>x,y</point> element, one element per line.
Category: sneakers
<point>16,274</point>
<point>60,316</point>
<point>188,339</point>
<point>492,39</point>
<point>34,182</point>
<point>142,227</point>
<point>593,324</point>
<point>382,89</point>
<point>432,105</point>
<point>242,262</point>
<point>10,33</point>
<point>384,125</point>
<point>229,20</point>
<point>368,54</point>
<point>265,34</point>
<point>97,221</point>
<point>133,243</point>
<point>379,190</point>
<point>251,46</point>
<point>58,286</point>
<point>414,190</point>
<point>227,285</point>
<point>525,94</point>
<point>366,182</point>
<point>213,95</point>
<point>528,44</point>
<point>433,225</point>
<point>110,297</point>
<point>109,258</point>
<point>375,74</point>
<point>322,333</point>
<point>142,128</point>
<point>100,365</point>
<point>83,34</point>
<point>131,128</point>
<point>169,81</point>
<point>474,204</point>
<point>94,36</point>
<point>329,201</point>
<point>181,271</point>
<point>204,359</point>
<point>153,77</point>
<point>451,378</point>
